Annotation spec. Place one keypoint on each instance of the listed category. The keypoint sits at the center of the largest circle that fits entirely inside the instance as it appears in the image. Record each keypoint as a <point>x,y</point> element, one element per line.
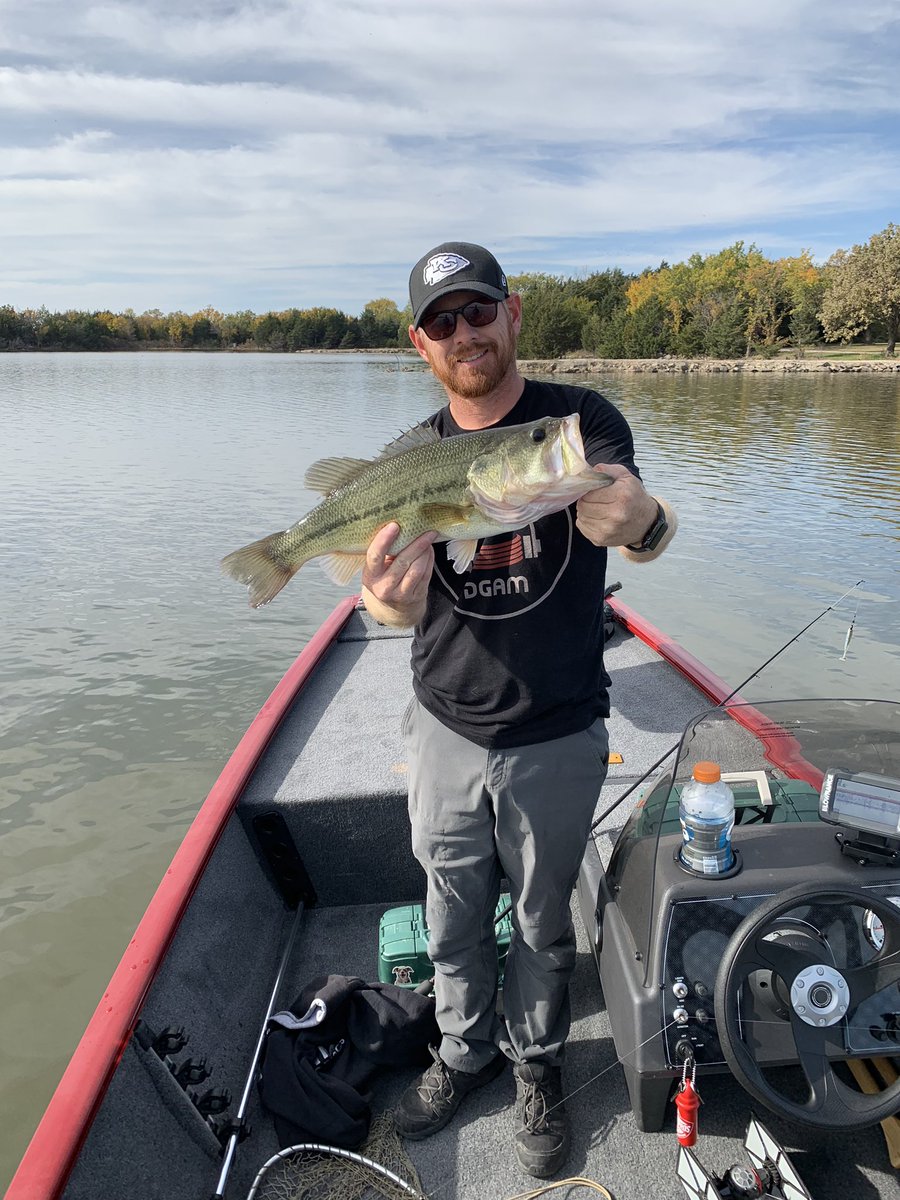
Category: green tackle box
<point>403,944</point>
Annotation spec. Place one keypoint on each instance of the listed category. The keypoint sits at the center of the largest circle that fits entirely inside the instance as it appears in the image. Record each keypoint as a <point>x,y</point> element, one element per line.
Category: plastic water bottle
<point>706,812</point>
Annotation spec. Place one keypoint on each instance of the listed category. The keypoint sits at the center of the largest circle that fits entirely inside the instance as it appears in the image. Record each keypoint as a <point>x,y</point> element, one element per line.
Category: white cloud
<point>257,156</point>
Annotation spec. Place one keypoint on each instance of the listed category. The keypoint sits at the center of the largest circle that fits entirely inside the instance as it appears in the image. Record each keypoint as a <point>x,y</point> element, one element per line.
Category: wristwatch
<point>654,534</point>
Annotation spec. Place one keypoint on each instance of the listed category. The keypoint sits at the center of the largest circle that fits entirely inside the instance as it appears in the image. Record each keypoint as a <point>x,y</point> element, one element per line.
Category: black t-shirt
<point>511,651</point>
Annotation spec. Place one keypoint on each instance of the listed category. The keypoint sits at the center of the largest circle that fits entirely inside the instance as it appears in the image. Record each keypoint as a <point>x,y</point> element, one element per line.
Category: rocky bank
<point>708,366</point>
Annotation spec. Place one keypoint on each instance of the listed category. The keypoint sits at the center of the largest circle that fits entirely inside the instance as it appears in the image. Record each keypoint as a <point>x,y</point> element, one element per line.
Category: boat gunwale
<point>51,1154</point>
<point>781,751</point>
<point>52,1151</point>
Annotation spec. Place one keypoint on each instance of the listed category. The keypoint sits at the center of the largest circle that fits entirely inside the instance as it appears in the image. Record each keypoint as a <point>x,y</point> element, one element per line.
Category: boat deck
<point>335,772</point>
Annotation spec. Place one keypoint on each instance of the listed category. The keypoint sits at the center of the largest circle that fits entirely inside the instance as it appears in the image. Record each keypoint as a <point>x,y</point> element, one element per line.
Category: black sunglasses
<point>477,313</point>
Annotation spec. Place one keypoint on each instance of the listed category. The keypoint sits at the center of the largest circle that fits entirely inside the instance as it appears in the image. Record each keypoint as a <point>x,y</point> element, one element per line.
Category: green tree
<point>805,282</point>
<point>236,329</point>
<point>642,333</point>
<point>768,303</point>
<point>380,323</point>
<point>553,316</point>
<point>16,331</point>
<point>862,290</point>
<point>352,338</point>
<point>725,323</point>
<point>605,290</point>
<point>268,332</point>
<point>151,326</point>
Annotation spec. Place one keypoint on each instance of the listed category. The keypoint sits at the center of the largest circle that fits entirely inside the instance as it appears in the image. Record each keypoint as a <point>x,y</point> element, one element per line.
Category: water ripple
<point>129,666</point>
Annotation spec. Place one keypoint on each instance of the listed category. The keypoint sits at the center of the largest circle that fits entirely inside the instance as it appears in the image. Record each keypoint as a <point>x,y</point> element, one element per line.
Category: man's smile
<point>472,358</point>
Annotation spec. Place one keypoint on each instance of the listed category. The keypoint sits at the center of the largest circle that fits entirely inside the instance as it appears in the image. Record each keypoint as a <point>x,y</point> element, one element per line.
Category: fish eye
<point>538,435</point>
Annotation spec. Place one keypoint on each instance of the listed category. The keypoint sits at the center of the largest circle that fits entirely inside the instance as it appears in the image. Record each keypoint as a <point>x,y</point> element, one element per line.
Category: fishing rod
<point>731,695</point>
<point>615,804</point>
<point>239,1128</point>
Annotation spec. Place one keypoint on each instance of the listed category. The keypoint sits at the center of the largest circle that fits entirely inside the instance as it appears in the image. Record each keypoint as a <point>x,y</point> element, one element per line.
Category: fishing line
<point>615,804</point>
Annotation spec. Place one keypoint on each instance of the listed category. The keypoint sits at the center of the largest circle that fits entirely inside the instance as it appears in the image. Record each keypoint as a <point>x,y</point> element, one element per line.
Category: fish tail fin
<point>261,566</point>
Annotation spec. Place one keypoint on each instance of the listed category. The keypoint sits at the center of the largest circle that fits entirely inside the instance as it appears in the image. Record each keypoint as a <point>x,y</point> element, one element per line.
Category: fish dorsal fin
<point>419,435</point>
<point>329,474</point>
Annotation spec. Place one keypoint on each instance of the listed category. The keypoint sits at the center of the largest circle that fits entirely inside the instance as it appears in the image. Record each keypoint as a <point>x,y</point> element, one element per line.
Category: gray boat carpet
<point>474,1159</point>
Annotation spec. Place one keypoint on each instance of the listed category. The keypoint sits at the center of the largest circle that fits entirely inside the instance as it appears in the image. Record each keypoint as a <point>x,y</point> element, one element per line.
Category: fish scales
<point>464,488</point>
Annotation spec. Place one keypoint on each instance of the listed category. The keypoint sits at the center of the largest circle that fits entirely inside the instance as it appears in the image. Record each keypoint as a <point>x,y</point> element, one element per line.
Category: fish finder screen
<point>862,802</point>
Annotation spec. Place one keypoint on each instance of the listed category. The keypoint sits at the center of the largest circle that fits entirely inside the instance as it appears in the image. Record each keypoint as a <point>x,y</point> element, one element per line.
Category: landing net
<point>379,1170</point>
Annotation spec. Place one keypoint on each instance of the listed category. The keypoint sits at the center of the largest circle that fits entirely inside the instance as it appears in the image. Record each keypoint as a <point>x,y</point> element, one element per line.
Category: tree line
<point>733,303</point>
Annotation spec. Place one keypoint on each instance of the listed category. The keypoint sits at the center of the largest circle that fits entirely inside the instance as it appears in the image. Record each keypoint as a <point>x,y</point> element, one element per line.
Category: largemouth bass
<point>471,486</point>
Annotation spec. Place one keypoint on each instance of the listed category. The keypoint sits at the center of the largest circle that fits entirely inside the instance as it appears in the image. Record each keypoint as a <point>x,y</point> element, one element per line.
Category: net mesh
<point>317,1175</point>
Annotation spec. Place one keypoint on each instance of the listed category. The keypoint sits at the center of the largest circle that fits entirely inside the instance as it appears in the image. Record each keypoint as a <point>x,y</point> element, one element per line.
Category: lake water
<point>129,667</point>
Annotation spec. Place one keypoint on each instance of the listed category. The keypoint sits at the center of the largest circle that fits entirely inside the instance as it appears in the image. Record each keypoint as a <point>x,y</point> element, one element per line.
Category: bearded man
<point>506,731</point>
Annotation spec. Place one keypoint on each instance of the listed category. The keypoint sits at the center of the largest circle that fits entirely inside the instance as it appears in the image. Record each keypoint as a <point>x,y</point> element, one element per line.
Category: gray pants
<point>478,815</point>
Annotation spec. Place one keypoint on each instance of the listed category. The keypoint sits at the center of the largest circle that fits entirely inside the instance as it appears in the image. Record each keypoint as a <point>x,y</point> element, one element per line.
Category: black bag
<point>321,1054</point>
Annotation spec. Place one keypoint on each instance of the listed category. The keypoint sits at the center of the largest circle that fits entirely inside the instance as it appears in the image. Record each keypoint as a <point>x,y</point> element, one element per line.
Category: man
<point>506,734</point>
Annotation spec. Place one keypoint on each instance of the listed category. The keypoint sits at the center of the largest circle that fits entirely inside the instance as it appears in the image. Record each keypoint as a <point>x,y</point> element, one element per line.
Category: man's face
<point>472,362</point>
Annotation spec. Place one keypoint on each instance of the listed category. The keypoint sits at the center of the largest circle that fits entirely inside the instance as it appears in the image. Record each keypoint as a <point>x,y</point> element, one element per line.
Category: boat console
<point>791,959</point>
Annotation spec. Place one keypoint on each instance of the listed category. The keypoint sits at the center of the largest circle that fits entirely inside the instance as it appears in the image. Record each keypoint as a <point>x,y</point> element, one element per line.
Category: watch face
<point>655,535</point>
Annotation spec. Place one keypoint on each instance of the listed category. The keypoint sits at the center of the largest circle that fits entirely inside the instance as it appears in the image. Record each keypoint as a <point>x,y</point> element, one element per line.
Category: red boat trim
<point>51,1154</point>
<point>53,1149</point>
<point>782,750</point>
<point>707,681</point>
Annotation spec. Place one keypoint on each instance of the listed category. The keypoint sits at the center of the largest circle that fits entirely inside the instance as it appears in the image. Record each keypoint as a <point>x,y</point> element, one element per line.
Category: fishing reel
<point>610,624</point>
<point>768,1176</point>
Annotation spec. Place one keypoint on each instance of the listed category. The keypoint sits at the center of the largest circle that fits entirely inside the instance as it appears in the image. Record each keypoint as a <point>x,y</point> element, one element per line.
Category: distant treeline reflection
<point>732,303</point>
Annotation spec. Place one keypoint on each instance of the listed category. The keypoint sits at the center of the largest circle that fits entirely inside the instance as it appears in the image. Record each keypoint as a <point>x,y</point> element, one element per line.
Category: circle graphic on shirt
<point>512,572</point>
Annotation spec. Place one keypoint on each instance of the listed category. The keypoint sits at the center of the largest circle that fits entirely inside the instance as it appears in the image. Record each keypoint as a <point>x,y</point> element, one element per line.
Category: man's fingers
<point>416,557</point>
<point>380,563</point>
<point>380,544</point>
<point>412,577</point>
<point>615,470</point>
<point>420,545</point>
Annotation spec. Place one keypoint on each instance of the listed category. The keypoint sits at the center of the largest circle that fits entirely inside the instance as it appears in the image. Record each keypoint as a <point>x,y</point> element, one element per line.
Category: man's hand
<point>619,514</point>
<point>395,588</point>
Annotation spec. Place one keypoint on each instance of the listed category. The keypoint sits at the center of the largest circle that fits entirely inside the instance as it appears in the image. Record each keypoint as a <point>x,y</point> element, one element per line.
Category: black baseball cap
<point>454,267</point>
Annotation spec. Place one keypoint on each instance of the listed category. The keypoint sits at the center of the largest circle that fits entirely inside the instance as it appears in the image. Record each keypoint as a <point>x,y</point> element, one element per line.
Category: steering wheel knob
<point>819,995</point>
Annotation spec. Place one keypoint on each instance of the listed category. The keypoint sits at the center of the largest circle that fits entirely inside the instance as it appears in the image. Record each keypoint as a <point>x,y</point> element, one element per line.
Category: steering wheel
<point>821,996</point>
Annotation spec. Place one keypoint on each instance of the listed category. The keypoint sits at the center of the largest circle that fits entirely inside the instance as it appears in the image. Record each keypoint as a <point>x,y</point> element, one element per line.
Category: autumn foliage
<point>733,303</point>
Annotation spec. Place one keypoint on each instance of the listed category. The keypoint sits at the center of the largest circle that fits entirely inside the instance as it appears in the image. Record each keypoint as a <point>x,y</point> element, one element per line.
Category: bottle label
<point>706,843</point>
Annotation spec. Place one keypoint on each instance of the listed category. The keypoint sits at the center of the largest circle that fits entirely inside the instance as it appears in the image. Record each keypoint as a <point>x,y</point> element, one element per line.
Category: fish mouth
<point>567,451</point>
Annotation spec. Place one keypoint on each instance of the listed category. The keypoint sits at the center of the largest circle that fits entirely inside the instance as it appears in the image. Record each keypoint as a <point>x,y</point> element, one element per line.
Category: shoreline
<point>574,365</point>
<point>588,365</point>
<point>708,366</point>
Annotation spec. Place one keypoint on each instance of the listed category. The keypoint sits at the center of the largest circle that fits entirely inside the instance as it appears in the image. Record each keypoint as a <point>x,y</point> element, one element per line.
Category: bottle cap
<point>707,772</point>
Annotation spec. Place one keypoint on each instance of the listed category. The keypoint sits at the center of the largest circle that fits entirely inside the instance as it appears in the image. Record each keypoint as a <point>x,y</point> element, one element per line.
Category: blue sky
<point>172,155</point>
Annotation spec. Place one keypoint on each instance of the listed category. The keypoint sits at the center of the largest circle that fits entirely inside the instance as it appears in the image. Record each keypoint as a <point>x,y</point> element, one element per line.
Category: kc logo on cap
<point>439,266</point>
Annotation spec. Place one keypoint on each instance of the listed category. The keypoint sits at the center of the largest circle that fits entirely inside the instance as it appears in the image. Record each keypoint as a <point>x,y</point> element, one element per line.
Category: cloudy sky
<point>168,154</point>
